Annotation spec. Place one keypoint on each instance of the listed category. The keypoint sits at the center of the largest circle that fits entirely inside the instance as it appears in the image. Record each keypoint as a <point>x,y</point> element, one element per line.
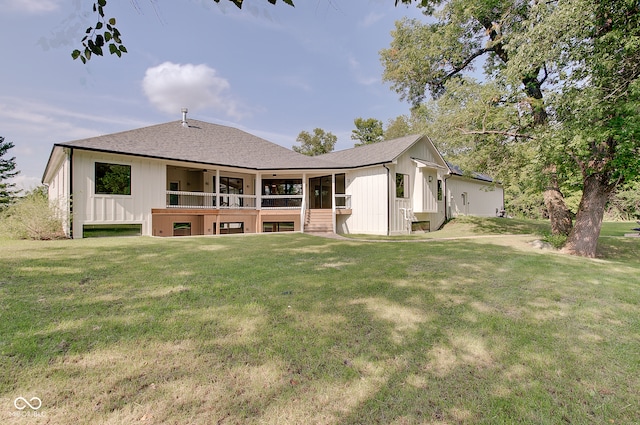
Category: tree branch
<point>467,62</point>
<point>499,132</point>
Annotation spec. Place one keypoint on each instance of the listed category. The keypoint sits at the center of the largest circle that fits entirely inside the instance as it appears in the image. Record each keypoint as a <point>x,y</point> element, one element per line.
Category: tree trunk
<point>559,214</point>
<point>583,239</point>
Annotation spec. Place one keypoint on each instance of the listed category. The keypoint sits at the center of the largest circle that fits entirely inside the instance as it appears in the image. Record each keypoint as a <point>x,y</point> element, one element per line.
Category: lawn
<point>297,329</point>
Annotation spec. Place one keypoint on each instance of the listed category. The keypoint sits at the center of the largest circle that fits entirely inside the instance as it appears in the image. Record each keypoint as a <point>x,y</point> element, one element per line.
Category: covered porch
<point>220,201</point>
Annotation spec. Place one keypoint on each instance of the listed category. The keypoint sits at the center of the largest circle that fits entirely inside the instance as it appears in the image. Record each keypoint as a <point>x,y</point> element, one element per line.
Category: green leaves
<point>97,36</point>
<point>104,32</point>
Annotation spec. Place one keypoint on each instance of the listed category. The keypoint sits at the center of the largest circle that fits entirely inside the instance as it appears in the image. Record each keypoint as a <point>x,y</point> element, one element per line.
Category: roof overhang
<point>422,163</point>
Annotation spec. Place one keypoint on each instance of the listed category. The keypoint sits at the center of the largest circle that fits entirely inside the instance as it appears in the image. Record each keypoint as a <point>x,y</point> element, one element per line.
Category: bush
<point>32,217</point>
<point>556,241</point>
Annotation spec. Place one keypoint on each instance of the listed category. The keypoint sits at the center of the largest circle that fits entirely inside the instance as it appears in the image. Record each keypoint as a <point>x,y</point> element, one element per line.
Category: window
<point>420,226</point>
<point>228,228</point>
<point>439,190</point>
<point>402,185</point>
<point>112,179</point>
<point>182,229</point>
<point>271,226</point>
<point>105,230</point>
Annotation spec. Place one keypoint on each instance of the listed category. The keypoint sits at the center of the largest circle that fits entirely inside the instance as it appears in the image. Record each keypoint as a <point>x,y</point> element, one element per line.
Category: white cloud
<point>170,87</point>
<point>31,6</point>
<point>370,19</point>
<point>361,78</point>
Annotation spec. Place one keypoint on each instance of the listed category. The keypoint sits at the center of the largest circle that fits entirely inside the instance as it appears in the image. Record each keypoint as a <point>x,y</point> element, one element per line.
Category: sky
<point>272,71</point>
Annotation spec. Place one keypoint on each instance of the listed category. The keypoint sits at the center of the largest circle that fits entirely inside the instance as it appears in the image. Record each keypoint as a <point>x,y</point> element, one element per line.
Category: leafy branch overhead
<point>104,33</point>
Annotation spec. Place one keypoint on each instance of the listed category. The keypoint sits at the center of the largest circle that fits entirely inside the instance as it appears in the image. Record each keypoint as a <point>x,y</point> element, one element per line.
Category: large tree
<point>587,50</point>
<point>318,143</point>
<point>7,171</point>
<point>423,57</point>
<point>592,51</point>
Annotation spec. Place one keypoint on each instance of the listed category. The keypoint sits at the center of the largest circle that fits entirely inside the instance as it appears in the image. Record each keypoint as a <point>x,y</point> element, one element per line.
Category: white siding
<point>58,188</point>
<point>368,201</point>
<point>148,186</point>
<point>473,197</point>
<point>423,194</point>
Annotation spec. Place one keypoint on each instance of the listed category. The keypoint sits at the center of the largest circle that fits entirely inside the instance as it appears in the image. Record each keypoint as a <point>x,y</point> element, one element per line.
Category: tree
<point>595,61</point>
<point>7,171</point>
<point>423,57</point>
<point>318,143</point>
<point>588,132</point>
<point>367,131</point>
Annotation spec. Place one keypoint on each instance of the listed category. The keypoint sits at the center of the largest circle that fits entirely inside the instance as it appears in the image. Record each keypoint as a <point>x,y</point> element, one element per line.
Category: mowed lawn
<point>300,329</point>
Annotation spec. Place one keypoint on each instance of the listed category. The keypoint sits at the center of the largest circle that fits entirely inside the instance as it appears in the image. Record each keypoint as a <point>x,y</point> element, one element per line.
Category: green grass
<point>292,328</point>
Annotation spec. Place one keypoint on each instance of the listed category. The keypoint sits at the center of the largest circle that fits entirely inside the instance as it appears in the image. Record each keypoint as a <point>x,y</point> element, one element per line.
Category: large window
<point>113,179</point>
<point>402,185</point>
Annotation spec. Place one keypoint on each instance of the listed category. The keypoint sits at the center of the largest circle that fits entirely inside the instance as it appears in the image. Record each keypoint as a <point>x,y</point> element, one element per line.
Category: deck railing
<point>195,200</point>
<point>181,199</point>
<point>282,202</point>
<point>343,201</point>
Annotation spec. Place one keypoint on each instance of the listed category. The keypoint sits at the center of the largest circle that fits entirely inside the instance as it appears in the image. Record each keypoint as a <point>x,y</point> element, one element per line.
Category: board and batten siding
<point>148,190</point>
<point>473,197</point>
<point>368,201</point>
<point>58,187</point>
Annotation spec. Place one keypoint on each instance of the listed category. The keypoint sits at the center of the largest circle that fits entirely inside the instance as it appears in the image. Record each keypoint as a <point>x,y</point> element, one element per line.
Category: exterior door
<point>320,193</point>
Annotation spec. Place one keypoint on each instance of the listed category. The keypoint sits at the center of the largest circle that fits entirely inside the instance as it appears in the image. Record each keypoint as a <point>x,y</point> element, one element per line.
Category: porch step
<point>318,221</point>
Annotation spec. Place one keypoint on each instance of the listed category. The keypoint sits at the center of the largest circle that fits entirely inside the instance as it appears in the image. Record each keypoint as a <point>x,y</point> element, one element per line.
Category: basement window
<point>278,226</point>
<point>107,230</point>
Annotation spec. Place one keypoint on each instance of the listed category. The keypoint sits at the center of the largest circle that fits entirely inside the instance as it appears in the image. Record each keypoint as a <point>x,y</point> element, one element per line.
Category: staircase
<point>318,221</point>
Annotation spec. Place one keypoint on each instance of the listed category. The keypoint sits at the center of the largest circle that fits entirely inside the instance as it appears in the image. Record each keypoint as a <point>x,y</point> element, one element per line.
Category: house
<point>198,178</point>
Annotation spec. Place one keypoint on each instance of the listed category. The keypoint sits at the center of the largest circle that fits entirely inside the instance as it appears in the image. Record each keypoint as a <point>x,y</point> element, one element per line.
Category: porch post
<point>258,193</point>
<point>215,190</point>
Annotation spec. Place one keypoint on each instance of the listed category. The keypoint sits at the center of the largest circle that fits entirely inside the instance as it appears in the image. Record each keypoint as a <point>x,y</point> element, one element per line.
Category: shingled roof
<point>373,154</point>
<point>203,143</point>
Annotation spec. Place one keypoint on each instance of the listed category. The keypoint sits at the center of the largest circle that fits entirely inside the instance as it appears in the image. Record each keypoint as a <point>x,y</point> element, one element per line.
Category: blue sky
<point>273,71</point>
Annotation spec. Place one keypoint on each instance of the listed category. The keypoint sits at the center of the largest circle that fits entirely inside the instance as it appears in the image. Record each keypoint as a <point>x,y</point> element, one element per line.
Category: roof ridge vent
<point>184,117</point>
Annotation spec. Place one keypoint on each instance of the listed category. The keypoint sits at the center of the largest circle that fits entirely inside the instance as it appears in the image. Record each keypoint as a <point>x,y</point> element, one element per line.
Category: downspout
<point>70,218</point>
<point>446,198</point>
<point>388,199</point>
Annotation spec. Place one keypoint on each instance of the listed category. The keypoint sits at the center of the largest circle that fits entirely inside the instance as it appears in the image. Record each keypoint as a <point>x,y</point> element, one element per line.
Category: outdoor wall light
<point>430,179</point>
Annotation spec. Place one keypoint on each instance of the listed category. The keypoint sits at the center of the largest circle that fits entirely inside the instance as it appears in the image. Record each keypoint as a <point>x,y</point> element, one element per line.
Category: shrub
<point>32,217</point>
